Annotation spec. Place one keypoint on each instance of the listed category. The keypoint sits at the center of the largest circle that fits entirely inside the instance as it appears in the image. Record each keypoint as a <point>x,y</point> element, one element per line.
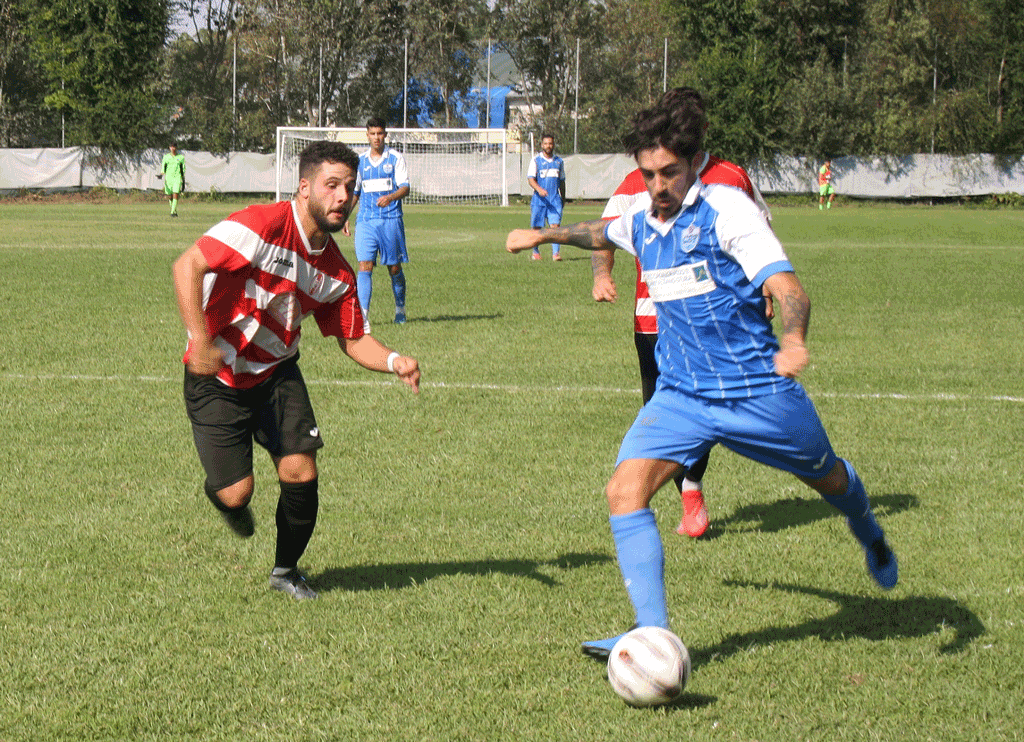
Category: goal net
<point>445,165</point>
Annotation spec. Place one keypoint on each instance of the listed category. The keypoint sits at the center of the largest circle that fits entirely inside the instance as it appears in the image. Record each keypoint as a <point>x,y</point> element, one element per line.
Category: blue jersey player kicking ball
<point>706,255</point>
<point>381,184</point>
<point>546,176</point>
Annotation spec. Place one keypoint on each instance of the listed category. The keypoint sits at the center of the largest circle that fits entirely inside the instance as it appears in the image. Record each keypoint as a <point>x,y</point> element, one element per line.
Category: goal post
<point>465,166</point>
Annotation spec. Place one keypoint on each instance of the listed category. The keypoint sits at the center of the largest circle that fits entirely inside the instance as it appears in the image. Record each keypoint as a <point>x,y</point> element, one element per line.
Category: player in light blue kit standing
<point>546,176</point>
<point>381,184</point>
<point>706,255</point>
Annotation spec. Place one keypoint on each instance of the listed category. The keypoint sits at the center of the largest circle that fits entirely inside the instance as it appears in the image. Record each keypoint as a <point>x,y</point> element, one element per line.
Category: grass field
<point>463,549</point>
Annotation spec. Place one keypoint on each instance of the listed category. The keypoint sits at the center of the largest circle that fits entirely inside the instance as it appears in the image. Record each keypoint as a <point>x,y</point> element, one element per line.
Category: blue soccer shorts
<point>381,241</point>
<point>542,210</point>
<point>782,430</point>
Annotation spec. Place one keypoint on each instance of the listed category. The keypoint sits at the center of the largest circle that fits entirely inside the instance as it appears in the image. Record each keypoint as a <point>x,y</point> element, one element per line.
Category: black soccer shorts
<point>276,413</point>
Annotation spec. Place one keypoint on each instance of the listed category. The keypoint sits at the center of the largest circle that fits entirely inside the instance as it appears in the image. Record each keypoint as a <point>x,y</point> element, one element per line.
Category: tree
<point>624,72</point>
<point>100,63</point>
<point>540,37</point>
<point>24,121</point>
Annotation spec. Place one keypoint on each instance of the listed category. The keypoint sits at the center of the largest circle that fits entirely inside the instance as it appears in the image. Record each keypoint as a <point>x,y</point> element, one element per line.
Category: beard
<point>319,215</point>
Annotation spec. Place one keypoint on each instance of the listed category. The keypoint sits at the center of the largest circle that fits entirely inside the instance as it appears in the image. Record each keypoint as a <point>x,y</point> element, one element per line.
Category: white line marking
<point>515,388</point>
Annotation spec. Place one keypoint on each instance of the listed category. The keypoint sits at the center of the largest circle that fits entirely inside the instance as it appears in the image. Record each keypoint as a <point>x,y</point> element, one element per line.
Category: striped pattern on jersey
<point>265,281</point>
<point>377,178</point>
<point>714,170</point>
<point>549,174</point>
<point>704,270</point>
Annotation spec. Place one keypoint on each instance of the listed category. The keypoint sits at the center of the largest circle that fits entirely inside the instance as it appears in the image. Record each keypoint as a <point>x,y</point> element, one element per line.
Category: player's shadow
<point>409,574</point>
<point>871,618</point>
<point>455,318</point>
<point>776,516</point>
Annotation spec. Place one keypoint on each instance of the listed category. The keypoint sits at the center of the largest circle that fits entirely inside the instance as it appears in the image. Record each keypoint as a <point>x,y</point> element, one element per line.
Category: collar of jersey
<point>663,228</point>
<point>383,154</point>
<point>302,233</point>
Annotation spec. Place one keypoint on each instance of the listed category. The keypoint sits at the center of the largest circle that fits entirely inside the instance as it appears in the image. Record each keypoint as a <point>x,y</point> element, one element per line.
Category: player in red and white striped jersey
<point>243,290</point>
<point>694,519</point>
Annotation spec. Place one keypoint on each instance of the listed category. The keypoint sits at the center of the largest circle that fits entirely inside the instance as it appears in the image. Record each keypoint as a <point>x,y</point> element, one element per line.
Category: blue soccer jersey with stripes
<point>705,268</point>
<point>549,174</point>
<point>378,178</point>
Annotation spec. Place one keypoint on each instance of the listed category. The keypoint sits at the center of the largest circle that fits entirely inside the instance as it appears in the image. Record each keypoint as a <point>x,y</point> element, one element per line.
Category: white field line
<point>518,389</point>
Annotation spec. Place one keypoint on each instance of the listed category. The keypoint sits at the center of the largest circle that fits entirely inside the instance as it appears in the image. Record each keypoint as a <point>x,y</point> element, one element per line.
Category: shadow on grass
<point>454,318</point>
<point>776,516</point>
<point>409,574</point>
<point>876,619</point>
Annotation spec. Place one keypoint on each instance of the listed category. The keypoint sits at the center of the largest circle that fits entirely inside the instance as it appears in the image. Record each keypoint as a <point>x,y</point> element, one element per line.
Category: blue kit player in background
<point>381,184</point>
<point>707,254</point>
<point>546,176</point>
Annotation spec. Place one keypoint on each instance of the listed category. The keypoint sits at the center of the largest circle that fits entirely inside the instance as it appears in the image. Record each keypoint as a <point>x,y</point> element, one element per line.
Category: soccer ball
<point>649,666</point>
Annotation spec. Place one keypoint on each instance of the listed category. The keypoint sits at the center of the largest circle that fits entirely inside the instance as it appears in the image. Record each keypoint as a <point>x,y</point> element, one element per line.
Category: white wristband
<point>391,361</point>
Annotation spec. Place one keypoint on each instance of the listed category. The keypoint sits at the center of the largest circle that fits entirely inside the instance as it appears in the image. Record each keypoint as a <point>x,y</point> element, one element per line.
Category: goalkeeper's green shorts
<point>826,190</point>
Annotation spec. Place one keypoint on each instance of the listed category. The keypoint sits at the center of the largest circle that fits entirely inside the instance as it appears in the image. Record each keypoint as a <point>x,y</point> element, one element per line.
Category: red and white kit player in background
<point>243,289</point>
<point>694,519</point>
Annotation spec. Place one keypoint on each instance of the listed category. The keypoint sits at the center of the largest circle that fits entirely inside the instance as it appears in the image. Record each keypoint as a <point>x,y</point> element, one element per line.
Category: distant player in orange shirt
<point>825,186</point>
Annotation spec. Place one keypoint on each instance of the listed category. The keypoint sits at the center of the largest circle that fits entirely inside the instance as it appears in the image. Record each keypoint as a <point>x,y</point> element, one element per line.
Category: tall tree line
<point>811,77</point>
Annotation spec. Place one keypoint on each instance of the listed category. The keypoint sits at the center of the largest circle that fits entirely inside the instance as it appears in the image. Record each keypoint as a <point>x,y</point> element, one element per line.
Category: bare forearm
<point>795,312</point>
<point>587,235</point>
<point>188,272</point>
<point>602,262</point>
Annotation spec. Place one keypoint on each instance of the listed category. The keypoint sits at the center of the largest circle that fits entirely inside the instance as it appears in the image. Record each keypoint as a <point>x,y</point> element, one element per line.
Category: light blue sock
<point>855,506</point>
<point>642,563</point>
<point>398,288</point>
<point>364,289</point>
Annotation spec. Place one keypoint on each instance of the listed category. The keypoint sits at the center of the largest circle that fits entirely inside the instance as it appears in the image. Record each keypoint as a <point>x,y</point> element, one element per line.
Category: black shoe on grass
<point>293,583</point>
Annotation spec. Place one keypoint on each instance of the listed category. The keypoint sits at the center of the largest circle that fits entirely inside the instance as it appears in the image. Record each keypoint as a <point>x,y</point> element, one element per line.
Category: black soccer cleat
<point>293,583</point>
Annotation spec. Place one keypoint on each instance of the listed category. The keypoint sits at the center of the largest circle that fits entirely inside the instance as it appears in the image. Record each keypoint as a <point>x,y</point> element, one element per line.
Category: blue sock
<point>642,563</point>
<point>364,289</point>
<point>398,287</point>
<point>855,506</point>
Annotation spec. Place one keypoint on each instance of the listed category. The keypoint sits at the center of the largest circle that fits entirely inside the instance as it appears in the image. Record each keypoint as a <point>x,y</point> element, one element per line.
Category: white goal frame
<point>445,165</point>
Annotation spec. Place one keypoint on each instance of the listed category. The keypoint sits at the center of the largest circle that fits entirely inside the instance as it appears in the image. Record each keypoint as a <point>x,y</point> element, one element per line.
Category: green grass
<point>463,550</point>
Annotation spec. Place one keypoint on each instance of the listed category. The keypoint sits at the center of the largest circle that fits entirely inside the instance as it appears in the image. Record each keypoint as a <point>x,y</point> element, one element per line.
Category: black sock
<point>296,518</point>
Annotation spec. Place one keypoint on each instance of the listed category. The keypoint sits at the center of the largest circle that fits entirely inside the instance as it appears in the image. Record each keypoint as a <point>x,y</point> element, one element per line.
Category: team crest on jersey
<point>388,168</point>
<point>690,238</point>
<point>316,284</point>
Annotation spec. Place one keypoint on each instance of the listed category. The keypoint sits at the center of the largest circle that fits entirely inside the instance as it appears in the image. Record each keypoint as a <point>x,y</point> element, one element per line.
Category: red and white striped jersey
<point>265,281</point>
<point>714,170</point>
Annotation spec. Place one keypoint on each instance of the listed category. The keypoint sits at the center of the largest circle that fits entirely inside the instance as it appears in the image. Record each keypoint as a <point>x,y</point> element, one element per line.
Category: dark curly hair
<point>676,122</point>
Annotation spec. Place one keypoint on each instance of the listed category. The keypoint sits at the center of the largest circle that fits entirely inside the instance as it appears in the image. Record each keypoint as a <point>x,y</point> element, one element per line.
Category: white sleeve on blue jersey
<point>743,232</point>
<point>359,178</point>
<point>561,169</point>
<point>401,171</point>
<point>620,231</point>
<point>531,171</point>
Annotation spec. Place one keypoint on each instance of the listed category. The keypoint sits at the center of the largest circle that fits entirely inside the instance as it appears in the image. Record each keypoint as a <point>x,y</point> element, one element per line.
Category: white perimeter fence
<point>587,176</point>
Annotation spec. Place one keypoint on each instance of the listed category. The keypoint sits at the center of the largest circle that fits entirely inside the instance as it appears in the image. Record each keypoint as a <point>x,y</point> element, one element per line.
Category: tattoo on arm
<point>588,235</point>
<point>601,263</point>
<point>795,308</point>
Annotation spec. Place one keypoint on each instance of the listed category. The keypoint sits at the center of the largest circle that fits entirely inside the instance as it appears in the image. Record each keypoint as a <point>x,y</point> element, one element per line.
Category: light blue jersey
<point>378,178</point>
<point>705,268</point>
<point>549,175</point>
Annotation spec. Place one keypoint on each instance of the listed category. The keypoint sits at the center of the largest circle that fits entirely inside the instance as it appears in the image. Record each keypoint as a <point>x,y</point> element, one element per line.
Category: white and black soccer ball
<point>649,666</point>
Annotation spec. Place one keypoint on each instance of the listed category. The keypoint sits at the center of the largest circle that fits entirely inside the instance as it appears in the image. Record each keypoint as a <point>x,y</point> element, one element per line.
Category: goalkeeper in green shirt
<point>173,173</point>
